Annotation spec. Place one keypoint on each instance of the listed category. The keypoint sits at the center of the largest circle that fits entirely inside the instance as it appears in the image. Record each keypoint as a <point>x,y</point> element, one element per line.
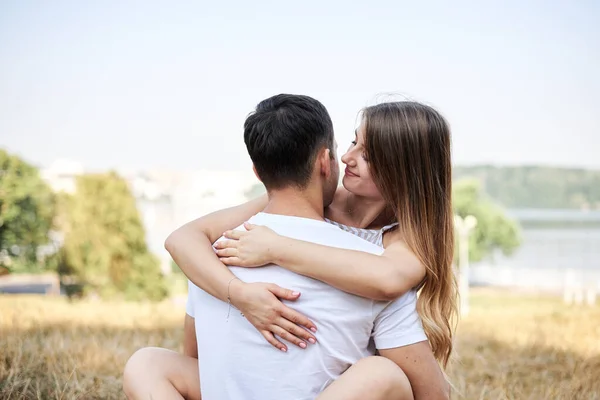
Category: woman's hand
<point>260,304</point>
<point>253,248</point>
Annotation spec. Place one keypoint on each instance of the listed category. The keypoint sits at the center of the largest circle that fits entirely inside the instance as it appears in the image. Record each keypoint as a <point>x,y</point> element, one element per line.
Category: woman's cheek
<point>370,187</point>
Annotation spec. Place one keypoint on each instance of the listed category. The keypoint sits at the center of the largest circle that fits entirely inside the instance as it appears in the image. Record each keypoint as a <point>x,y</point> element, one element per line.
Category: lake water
<point>558,248</point>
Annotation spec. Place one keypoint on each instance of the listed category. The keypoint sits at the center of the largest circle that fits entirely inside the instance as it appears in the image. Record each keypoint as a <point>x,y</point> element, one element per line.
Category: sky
<point>167,85</point>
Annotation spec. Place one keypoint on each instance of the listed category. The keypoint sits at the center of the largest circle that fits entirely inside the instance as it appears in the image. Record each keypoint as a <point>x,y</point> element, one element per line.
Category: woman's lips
<point>347,172</point>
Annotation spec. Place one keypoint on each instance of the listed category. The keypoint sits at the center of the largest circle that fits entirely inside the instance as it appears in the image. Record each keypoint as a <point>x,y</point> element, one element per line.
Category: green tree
<point>104,244</point>
<point>26,214</point>
<point>494,230</point>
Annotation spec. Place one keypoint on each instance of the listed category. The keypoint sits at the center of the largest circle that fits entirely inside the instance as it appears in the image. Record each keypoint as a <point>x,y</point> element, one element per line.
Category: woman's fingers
<point>232,261</point>
<point>283,293</point>
<point>297,331</point>
<point>288,313</point>
<point>224,244</point>
<point>284,334</point>
<point>274,342</point>
<point>236,235</point>
<point>227,252</point>
<point>298,319</point>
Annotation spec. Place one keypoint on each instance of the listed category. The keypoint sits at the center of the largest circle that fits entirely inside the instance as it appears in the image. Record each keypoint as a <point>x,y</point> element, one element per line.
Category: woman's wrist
<point>277,252</point>
<point>234,291</point>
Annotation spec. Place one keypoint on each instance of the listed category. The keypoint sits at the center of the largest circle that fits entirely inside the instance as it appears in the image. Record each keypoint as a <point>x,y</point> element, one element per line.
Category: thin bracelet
<point>229,305</point>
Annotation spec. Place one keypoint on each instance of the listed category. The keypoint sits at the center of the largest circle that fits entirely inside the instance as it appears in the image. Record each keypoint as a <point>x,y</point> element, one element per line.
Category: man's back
<point>237,363</point>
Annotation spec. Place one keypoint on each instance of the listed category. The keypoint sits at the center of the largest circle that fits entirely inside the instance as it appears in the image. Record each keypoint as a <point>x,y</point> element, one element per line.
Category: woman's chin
<point>347,185</point>
<point>352,187</point>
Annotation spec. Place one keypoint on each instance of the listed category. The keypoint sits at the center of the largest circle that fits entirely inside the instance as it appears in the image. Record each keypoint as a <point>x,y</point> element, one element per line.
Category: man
<point>290,140</point>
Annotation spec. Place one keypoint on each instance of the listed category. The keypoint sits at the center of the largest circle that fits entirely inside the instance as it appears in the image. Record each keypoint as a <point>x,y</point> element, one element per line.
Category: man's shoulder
<point>315,231</point>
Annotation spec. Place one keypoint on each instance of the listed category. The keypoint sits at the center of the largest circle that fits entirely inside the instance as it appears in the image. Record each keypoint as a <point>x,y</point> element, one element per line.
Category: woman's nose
<point>348,159</point>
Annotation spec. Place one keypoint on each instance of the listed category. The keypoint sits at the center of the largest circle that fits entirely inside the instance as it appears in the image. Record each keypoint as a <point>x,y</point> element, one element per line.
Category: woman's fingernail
<point>313,329</point>
<point>283,349</point>
<point>303,345</point>
<point>295,293</point>
<point>313,341</point>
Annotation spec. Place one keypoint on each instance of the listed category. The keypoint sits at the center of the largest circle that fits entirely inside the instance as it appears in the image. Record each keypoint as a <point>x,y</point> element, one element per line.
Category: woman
<point>397,189</point>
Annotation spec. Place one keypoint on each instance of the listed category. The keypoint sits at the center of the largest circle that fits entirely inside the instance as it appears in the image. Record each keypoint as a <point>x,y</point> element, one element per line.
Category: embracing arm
<point>383,277</point>
<point>190,246</point>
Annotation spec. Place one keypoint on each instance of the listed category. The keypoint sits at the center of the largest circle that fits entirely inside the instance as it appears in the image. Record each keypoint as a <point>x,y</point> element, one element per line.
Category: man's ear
<point>256,173</point>
<point>325,162</point>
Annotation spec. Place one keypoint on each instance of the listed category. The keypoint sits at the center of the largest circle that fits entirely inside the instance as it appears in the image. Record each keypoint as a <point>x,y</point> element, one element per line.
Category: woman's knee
<point>160,371</point>
<point>140,367</point>
<point>144,357</point>
<point>386,374</point>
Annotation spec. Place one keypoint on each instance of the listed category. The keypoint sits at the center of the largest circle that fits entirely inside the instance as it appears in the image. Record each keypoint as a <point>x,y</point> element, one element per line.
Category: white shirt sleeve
<point>189,304</point>
<point>399,324</point>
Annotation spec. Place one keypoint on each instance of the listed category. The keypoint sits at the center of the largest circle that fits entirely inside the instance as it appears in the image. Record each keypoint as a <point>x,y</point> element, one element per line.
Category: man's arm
<point>421,369</point>
<point>190,345</point>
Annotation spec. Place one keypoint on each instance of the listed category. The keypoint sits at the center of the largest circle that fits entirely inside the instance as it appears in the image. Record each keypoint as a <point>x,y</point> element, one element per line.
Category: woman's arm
<point>191,248</point>
<point>384,277</point>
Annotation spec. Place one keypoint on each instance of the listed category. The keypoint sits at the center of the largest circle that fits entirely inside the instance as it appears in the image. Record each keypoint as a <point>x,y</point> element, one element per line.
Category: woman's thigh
<point>158,373</point>
<point>370,378</point>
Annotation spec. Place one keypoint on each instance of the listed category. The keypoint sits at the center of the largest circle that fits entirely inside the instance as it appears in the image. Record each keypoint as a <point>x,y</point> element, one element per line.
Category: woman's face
<point>357,176</point>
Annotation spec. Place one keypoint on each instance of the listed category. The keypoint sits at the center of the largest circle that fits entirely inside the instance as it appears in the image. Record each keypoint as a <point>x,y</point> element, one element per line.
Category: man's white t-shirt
<point>237,363</point>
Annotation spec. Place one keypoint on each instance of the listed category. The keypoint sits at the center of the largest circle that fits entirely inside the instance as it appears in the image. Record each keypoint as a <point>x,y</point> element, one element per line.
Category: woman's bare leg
<point>155,373</point>
<point>373,378</point>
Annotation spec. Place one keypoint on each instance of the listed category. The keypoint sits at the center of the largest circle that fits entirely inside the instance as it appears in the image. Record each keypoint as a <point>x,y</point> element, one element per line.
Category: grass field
<point>512,346</point>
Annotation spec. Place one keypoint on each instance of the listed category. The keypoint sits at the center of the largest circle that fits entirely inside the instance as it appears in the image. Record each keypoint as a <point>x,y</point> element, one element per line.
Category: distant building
<point>61,175</point>
<point>202,192</point>
<point>167,201</point>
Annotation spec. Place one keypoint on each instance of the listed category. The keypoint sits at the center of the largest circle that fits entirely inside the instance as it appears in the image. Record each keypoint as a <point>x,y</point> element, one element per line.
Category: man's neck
<point>306,203</point>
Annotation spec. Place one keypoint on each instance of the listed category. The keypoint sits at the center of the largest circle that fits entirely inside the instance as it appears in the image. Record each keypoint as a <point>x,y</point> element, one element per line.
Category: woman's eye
<point>354,143</point>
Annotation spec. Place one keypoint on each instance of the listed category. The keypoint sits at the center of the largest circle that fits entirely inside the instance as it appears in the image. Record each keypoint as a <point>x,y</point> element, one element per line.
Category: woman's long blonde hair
<point>408,148</point>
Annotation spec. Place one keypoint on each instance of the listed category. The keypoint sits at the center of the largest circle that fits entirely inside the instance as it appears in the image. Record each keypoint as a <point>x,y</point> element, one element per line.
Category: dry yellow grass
<point>510,347</point>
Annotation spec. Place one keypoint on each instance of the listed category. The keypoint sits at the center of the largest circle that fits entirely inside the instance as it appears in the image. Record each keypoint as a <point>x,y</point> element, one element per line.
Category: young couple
<point>333,311</point>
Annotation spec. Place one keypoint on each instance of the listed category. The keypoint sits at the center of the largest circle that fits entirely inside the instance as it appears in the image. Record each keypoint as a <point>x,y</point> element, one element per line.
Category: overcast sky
<point>132,84</point>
